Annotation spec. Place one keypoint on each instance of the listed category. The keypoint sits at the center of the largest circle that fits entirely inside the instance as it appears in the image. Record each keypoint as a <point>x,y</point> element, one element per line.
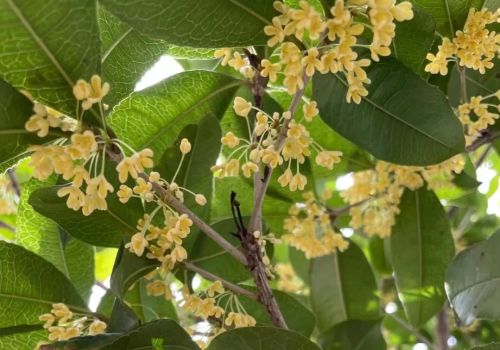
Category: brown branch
<point>487,136</point>
<point>256,266</point>
<point>7,226</point>
<point>442,329</point>
<point>173,202</point>
<point>13,181</point>
<point>228,285</point>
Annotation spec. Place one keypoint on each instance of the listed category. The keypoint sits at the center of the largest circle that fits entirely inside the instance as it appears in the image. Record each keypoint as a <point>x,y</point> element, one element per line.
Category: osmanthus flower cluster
<point>309,228</point>
<point>288,281</point>
<point>64,324</point>
<point>217,303</point>
<point>473,47</point>
<point>375,194</point>
<point>8,205</point>
<point>477,114</point>
<point>262,146</point>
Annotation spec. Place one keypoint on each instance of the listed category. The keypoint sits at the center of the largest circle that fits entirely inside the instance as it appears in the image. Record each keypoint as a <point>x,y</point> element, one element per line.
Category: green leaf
<point>403,120</point>
<point>101,228</point>
<point>298,318</point>
<point>379,255</point>
<point>88,342</point>
<point>22,341</point>
<point>343,287</point>
<point>207,24</point>
<point>122,319</point>
<point>47,46</point>
<point>353,335</point>
<point>154,117</point>
<point>473,281</point>
<point>44,237</point>
<point>129,268</point>
<point>15,110</point>
<point>126,55</point>
<point>414,40</point>
<point>147,307</point>
<point>421,249</point>
<point>449,15</point>
<point>29,286</point>
<point>262,338</point>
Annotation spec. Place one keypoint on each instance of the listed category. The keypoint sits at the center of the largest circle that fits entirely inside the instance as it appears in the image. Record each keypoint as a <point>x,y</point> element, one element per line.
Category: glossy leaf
<point>473,281</point>
<point>43,236</point>
<point>47,46</point>
<point>207,24</point>
<point>126,55</point>
<point>343,288</point>
<point>353,335</point>
<point>154,117</point>
<point>23,340</point>
<point>421,249</point>
<point>29,286</point>
<point>122,319</point>
<point>403,119</point>
<point>262,338</point>
<point>298,317</point>
<point>414,40</point>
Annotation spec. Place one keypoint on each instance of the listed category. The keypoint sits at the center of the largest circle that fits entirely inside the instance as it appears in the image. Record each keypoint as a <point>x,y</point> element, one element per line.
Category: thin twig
<point>7,226</point>
<point>212,277</point>
<point>13,181</point>
<point>487,136</point>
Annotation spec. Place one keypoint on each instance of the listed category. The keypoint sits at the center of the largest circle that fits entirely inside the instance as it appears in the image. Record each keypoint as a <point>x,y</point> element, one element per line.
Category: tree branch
<point>412,330</point>
<point>488,136</point>
<point>228,285</point>
<point>170,200</point>
<point>7,226</point>
<point>442,329</point>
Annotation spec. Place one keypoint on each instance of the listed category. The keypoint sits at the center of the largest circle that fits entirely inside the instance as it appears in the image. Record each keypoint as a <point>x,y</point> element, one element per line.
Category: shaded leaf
<point>29,286</point>
<point>262,338</point>
<point>343,288</point>
<point>211,23</point>
<point>353,335</point>
<point>421,249</point>
<point>473,281</point>
<point>47,45</point>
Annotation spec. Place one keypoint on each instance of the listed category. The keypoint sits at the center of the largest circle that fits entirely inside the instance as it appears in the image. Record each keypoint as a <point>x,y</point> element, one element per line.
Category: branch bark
<point>442,329</point>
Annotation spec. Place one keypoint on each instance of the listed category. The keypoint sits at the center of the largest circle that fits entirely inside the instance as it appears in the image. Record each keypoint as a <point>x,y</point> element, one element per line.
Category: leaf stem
<point>413,330</point>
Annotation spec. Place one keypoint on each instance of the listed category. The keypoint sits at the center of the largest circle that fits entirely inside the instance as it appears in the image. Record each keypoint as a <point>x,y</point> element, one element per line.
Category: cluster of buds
<point>476,116</point>
<point>309,228</point>
<point>263,145</point>
<point>262,241</point>
<point>63,324</point>
<point>375,194</point>
<point>329,42</point>
<point>473,47</point>
<point>207,305</point>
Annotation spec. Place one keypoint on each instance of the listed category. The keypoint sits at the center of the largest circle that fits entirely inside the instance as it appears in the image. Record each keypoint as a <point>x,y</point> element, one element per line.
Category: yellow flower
<point>271,157</point>
<point>230,140</point>
<point>285,178</point>
<point>159,288</point>
<point>310,110</point>
<point>275,31</point>
<point>270,70</point>
<point>402,11</point>
<point>215,288</point>
<point>82,145</point>
<point>61,311</point>
<point>100,186</point>
<point>311,61</point>
<point>298,181</point>
<point>249,168</point>
<point>178,254</point>
<point>137,244</point>
<point>49,320</point>
<point>200,199</point>
<point>56,333</point>
<point>237,62</point>
<point>126,167</point>
<point>97,327</point>
<point>144,159</point>
<point>71,332</point>
<point>76,198</point>
<point>143,187</point>
<point>225,54</point>
<point>185,146</point>
<point>97,91</point>
<point>81,90</point>
<point>124,193</point>
<point>327,159</point>
<point>242,107</point>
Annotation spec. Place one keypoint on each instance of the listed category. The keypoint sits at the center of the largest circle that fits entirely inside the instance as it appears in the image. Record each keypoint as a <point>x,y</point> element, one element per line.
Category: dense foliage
<point>312,179</point>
